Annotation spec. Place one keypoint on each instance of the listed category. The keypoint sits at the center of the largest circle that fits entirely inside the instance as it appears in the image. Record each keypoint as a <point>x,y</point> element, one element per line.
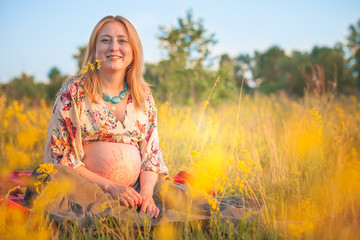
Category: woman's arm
<point>152,160</point>
<point>127,195</point>
<point>148,180</point>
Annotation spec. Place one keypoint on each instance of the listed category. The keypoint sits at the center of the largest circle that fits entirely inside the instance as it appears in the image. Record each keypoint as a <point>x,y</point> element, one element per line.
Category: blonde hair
<point>134,77</point>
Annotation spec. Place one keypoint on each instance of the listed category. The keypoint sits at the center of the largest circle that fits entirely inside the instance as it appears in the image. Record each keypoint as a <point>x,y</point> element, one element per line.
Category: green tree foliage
<point>24,87</point>
<point>243,63</point>
<point>291,78</point>
<point>275,70</point>
<point>231,71</point>
<point>56,80</point>
<point>334,64</point>
<point>185,74</point>
<point>227,73</point>
<point>353,45</point>
<point>267,71</point>
<point>79,56</point>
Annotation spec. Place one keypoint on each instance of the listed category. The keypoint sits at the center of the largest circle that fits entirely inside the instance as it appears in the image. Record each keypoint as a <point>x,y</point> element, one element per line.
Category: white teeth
<point>113,57</point>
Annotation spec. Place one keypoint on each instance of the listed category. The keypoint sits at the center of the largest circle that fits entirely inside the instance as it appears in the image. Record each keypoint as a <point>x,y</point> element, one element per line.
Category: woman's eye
<point>122,41</point>
<point>105,40</point>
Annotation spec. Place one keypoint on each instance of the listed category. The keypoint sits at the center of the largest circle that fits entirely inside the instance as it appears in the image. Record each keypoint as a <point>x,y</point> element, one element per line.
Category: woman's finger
<point>136,198</point>
<point>123,201</point>
<point>130,201</point>
<point>137,195</point>
<point>143,208</point>
<point>157,212</point>
<point>153,212</point>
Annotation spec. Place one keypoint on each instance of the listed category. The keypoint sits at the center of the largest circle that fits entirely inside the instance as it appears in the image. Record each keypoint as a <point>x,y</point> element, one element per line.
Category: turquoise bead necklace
<point>116,99</point>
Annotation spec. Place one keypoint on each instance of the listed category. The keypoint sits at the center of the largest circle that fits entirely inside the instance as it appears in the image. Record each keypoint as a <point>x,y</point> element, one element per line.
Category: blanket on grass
<point>71,198</point>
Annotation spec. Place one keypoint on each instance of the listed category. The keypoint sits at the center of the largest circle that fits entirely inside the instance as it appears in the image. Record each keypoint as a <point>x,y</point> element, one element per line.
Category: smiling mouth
<point>113,57</point>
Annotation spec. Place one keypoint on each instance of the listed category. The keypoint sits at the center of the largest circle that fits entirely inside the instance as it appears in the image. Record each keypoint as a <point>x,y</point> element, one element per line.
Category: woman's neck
<point>113,83</point>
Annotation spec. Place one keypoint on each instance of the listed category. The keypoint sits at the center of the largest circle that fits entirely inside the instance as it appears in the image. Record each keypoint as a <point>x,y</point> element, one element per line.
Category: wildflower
<point>243,167</point>
<point>316,116</point>
<point>195,154</point>
<point>97,63</point>
<point>45,169</point>
<point>86,68</point>
<point>91,66</point>
<point>220,187</point>
<point>104,219</point>
<point>212,202</point>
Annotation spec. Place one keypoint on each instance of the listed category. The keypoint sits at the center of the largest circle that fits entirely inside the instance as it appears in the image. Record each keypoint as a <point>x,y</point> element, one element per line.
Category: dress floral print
<point>76,121</point>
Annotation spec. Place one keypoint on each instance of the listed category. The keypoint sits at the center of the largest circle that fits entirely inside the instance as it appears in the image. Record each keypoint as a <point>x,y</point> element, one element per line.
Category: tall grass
<point>299,158</point>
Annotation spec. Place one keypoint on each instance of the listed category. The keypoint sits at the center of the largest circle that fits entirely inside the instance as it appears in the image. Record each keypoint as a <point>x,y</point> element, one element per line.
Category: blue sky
<point>39,34</point>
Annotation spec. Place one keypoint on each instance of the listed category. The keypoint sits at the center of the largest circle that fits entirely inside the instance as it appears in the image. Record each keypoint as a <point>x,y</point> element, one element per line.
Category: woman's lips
<point>111,57</point>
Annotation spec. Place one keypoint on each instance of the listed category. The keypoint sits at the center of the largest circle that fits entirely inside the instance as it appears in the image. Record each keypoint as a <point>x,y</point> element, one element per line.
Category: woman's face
<point>113,45</point>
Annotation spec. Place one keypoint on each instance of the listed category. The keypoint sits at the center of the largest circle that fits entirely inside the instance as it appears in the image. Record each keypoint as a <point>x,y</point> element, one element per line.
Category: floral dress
<point>77,121</point>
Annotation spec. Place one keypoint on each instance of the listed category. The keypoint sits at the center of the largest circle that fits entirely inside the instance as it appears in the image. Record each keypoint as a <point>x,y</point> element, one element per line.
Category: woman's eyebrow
<point>106,35</point>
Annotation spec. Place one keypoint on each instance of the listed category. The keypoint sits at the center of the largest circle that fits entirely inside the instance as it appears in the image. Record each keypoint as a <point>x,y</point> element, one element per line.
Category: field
<point>299,157</point>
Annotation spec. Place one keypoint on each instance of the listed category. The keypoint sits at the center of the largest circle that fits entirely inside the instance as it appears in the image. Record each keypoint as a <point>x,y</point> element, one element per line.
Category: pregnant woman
<point>104,122</point>
<point>103,138</point>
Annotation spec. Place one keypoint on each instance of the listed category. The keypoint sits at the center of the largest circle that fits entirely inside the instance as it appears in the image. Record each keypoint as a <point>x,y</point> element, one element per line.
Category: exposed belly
<point>117,162</point>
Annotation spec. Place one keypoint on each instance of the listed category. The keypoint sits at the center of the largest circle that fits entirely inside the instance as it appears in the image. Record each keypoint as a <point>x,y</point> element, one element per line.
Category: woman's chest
<point>98,121</point>
<point>118,110</point>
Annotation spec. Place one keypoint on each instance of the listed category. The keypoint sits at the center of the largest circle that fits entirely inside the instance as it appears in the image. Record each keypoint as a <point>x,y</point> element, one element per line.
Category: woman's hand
<point>147,183</point>
<point>148,205</point>
<point>126,195</point>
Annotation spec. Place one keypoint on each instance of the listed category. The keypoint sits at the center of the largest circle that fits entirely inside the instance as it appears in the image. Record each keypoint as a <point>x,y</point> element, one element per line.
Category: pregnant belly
<point>117,162</point>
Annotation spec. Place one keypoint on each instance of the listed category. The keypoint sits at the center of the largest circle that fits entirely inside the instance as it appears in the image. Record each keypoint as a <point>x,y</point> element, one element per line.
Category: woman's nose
<point>114,46</point>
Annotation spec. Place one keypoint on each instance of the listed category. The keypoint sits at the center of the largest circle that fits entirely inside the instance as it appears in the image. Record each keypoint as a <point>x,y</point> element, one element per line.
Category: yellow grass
<point>300,158</point>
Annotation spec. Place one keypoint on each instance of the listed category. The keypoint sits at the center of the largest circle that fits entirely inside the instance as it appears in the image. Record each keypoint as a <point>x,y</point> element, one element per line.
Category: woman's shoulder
<point>149,98</point>
<point>74,87</point>
<point>72,92</point>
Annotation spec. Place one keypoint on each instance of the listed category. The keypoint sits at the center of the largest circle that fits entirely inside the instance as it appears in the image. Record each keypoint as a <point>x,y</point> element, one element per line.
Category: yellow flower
<point>97,63</point>
<point>243,167</point>
<point>195,154</point>
<point>91,66</point>
<point>45,169</point>
<point>212,202</point>
<point>316,116</point>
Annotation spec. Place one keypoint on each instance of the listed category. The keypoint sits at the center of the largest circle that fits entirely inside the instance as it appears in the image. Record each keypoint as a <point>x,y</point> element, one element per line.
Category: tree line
<point>188,72</point>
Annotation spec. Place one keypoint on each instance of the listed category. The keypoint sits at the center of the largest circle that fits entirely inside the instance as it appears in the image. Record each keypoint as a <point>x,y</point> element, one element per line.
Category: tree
<point>24,87</point>
<point>353,45</point>
<point>80,56</point>
<point>332,60</point>
<point>291,65</point>
<point>185,74</point>
<point>267,72</point>
<point>231,72</point>
<point>227,86</point>
<point>56,80</point>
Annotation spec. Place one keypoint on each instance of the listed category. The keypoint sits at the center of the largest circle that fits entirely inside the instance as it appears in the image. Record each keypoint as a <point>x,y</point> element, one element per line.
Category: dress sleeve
<point>64,143</point>
<point>151,156</point>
